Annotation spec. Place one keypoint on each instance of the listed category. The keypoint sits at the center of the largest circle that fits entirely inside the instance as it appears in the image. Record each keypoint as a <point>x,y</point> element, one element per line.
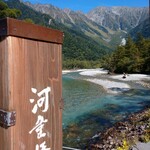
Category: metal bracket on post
<point>7,118</point>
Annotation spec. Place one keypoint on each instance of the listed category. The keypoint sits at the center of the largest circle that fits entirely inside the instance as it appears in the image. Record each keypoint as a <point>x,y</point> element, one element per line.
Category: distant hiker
<point>124,75</point>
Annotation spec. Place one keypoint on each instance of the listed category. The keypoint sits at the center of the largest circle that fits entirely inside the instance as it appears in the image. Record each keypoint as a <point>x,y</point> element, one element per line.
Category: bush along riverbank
<point>124,135</point>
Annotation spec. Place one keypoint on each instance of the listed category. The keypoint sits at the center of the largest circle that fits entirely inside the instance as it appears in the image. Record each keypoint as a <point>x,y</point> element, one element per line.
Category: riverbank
<point>119,84</point>
<point>125,135</point>
<point>111,86</point>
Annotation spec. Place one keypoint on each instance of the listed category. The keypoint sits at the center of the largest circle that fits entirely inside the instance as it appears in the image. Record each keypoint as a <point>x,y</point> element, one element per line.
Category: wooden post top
<point>13,27</point>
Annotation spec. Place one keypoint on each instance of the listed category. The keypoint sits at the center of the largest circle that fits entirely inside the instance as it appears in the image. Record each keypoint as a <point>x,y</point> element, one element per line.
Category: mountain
<point>105,25</point>
<point>119,18</point>
<point>71,19</point>
<point>114,18</point>
<point>76,45</point>
<point>143,28</point>
<point>76,21</point>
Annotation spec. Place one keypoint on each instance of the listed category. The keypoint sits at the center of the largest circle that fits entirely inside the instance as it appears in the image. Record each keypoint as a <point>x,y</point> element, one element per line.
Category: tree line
<point>80,64</point>
<point>133,57</point>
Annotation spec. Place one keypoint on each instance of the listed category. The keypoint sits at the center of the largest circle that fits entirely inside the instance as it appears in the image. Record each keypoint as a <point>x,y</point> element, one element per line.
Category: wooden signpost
<point>30,86</point>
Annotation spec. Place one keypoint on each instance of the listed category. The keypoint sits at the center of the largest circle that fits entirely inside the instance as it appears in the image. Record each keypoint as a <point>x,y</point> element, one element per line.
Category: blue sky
<point>87,5</point>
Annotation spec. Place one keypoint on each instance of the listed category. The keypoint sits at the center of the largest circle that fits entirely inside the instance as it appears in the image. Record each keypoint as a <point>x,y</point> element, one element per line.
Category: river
<point>89,109</point>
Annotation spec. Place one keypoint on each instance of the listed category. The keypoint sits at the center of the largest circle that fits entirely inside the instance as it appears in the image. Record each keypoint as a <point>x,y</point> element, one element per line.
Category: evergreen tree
<point>134,57</point>
<point>5,11</point>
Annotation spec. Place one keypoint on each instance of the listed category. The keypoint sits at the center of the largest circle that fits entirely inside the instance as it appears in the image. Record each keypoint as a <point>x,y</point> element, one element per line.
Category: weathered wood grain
<point>25,64</point>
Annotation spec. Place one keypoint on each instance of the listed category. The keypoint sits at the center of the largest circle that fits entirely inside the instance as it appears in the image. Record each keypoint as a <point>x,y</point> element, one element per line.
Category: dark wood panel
<point>22,29</point>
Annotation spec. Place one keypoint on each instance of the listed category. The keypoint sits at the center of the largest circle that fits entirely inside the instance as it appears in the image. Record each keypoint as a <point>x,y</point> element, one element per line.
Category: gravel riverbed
<point>124,135</point>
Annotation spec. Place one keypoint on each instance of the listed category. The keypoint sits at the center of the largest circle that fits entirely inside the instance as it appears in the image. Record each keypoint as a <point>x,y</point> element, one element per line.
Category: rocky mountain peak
<point>67,11</point>
<point>118,18</point>
<point>104,24</point>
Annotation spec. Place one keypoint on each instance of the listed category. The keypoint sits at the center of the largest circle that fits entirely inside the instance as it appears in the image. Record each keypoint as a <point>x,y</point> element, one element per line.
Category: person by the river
<point>124,75</point>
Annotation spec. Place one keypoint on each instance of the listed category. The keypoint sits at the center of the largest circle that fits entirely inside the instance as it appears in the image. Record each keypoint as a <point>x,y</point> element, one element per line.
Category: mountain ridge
<point>106,25</point>
<point>119,17</point>
<point>137,14</point>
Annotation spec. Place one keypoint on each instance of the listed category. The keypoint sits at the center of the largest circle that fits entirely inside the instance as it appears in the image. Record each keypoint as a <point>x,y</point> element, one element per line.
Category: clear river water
<point>89,109</point>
